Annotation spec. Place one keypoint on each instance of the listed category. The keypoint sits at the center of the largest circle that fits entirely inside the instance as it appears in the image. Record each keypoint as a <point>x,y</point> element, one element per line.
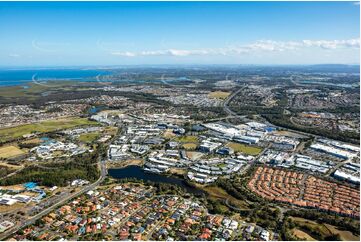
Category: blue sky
<point>121,33</point>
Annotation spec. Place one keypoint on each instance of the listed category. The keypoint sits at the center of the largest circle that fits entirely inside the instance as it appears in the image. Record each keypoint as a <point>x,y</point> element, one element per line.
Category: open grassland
<point>10,151</point>
<point>122,164</point>
<point>187,139</point>
<point>42,127</point>
<point>219,94</point>
<point>246,149</point>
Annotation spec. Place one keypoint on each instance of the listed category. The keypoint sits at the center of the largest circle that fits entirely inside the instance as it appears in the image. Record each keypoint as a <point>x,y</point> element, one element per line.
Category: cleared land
<point>219,94</point>
<point>193,155</point>
<point>246,149</point>
<point>45,126</point>
<point>187,139</point>
<point>10,151</point>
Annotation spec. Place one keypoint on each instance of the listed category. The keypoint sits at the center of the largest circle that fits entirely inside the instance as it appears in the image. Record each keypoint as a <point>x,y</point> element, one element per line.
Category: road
<point>228,100</point>
<point>103,173</point>
<point>245,119</point>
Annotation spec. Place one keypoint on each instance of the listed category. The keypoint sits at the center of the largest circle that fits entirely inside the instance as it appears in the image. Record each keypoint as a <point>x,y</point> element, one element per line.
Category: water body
<point>12,77</point>
<point>95,109</point>
<point>138,173</point>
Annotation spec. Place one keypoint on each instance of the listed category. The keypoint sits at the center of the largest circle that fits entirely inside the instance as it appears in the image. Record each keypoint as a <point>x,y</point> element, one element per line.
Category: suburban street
<point>103,173</point>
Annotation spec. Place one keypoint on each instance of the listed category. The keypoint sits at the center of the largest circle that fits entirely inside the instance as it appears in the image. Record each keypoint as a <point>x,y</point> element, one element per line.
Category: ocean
<point>16,77</point>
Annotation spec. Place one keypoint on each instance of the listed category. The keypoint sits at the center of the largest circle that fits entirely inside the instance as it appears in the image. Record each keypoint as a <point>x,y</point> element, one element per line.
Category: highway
<point>103,173</point>
<point>228,100</point>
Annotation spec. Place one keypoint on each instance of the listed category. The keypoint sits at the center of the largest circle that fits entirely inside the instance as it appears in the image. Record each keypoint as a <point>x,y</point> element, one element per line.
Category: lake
<point>138,173</point>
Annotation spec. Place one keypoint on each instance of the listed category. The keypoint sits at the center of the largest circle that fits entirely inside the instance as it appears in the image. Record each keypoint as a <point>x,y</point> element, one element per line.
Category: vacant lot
<point>246,149</point>
<point>10,151</point>
<point>45,126</point>
<point>219,94</point>
<point>88,138</point>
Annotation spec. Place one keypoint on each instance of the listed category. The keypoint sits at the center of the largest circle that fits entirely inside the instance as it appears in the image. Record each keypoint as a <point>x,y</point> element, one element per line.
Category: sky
<point>138,33</point>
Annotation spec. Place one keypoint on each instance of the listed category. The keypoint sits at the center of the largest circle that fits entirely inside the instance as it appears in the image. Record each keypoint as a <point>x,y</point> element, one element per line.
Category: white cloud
<point>126,54</point>
<point>257,46</point>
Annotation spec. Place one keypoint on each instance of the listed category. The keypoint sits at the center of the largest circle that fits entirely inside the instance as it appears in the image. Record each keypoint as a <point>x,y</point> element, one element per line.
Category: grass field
<point>45,126</point>
<point>89,137</point>
<point>246,149</point>
<point>216,192</point>
<point>10,151</point>
<point>187,139</point>
<point>219,94</point>
<point>33,89</point>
